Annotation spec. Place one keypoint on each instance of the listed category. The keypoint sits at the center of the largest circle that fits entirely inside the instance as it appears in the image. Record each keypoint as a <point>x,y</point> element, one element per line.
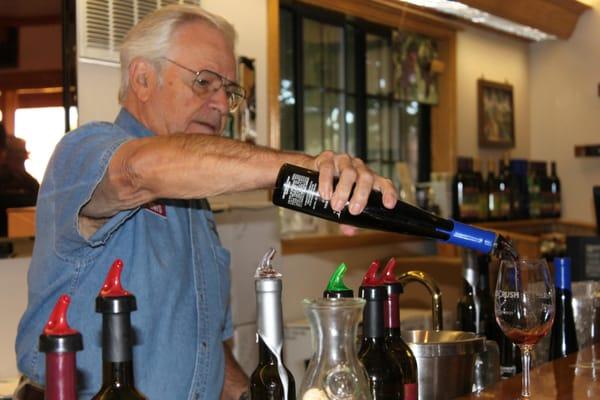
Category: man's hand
<point>236,381</point>
<point>352,172</point>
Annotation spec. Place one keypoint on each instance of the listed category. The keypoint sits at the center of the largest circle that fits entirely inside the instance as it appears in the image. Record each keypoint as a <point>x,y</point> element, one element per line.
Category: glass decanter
<point>334,372</point>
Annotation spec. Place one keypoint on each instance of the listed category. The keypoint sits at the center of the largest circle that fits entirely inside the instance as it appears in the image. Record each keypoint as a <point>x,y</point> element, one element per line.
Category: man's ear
<point>143,78</point>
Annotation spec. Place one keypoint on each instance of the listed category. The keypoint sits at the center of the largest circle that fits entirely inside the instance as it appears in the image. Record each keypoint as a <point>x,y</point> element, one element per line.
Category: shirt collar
<point>130,124</point>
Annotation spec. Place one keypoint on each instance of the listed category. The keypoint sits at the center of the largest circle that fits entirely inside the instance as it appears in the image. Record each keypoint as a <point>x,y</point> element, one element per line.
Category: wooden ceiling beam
<point>557,17</point>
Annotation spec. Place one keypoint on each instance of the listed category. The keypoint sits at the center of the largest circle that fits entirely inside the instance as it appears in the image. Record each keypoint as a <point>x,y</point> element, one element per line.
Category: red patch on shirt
<point>156,208</point>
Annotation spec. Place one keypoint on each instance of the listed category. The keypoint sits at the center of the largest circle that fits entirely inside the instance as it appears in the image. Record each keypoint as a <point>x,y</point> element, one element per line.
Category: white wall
<point>565,110</point>
<point>481,54</point>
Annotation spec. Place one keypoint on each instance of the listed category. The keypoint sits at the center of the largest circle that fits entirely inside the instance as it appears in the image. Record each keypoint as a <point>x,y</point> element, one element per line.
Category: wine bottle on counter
<point>297,188</point>
<point>510,358</point>
<point>385,372</point>
<point>116,305</point>
<point>336,288</point>
<point>468,308</point>
<point>60,343</point>
<point>271,380</point>
<point>563,337</point>
<point>396,345</point>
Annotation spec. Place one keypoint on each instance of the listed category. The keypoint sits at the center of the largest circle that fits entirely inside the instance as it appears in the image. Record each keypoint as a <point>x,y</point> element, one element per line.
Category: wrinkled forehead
<point>198,44</point>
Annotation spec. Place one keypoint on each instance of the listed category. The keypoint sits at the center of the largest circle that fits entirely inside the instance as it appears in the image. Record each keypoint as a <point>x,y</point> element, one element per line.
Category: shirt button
<point>204,344</point>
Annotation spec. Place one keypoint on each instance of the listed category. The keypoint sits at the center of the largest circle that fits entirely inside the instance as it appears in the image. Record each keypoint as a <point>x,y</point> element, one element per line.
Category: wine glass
<point>524,306</point>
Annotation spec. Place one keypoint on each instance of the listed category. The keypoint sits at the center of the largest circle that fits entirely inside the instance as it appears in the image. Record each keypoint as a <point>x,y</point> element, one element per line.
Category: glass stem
<point>526,361</point>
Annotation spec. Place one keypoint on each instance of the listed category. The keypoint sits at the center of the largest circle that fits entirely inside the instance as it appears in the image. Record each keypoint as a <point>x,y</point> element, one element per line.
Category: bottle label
<point>411,391</point>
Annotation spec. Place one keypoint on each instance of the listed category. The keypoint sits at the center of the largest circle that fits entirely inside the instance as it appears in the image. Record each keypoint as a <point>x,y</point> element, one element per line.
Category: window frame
<point>393,15</point>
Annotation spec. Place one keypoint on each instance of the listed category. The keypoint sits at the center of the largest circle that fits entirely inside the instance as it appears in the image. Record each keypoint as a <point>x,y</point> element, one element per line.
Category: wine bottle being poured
<point>297,188</point>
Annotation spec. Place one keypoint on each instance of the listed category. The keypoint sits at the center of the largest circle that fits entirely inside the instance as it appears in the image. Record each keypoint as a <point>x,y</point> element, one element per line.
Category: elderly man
<point>132,189</point>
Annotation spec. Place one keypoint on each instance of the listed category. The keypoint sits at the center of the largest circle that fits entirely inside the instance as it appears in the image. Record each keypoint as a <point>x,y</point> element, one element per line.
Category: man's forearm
<point>236,381</point>
<point>183,167</point>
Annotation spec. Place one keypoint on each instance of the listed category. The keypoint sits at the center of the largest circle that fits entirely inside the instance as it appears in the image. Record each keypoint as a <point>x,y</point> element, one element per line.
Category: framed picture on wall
<point>496,116</point>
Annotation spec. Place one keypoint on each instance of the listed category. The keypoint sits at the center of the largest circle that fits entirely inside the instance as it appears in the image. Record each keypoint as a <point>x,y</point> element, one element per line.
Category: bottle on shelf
<point>116,305</point>
<point>336,288</point>
<point>563,336</point>
<point>546,194</point>
<point>492,192</point>
<point>518,186</point>
<point>556,191</point>
<point>60,342</point>
<point>297,188</point>
<point>504,192</point>
<point>396,345</point>
<point>384,371</point>
<point>536,175</point>
<point>271,380</point>
<point>482,198</point>
<point>465,192</point>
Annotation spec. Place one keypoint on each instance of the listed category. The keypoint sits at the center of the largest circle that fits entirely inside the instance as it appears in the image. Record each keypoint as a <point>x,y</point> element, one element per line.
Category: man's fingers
<point>324,163</point>
<point>389,194</point>
<point>347,177</point>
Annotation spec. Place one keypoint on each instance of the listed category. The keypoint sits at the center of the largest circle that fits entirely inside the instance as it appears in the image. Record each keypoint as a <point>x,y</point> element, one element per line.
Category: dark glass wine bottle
<point>384,371</point>
<point>60,343</point>
<point>468,307</point>
<point>116,305</point>
<point>504,192</point>
<point>563,337</point>
<point>556,191</point>
<point>491,329</point>
<point>396,345</point>
<point>465,193</point>
<point>271,380</point>
<point>297,188</point>
<point>482,197</point>
<point>510,357</point>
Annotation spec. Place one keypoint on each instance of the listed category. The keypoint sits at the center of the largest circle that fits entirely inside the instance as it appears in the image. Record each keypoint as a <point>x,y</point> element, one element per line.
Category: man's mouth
<point>204,127</point>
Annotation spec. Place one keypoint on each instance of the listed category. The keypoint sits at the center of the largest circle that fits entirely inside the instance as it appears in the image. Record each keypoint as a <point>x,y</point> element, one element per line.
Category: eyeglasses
<point>207,82</point>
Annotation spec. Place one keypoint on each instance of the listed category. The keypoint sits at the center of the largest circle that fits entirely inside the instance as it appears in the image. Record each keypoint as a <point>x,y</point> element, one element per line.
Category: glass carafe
<point>334,372</point>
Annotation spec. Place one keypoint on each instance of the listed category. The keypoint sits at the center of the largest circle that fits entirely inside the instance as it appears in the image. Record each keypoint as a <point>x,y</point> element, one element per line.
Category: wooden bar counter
<point>576,376</point>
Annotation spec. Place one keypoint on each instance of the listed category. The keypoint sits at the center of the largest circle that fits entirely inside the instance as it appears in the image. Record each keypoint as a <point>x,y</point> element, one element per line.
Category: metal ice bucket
<point>586,311</point>
<point>445,361</point>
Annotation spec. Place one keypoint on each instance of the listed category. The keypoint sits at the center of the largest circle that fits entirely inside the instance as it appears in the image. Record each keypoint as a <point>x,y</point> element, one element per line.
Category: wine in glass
<point>524,306</point>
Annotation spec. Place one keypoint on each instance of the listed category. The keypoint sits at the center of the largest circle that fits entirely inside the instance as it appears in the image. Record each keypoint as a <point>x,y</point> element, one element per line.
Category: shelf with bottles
<point>587,150</point>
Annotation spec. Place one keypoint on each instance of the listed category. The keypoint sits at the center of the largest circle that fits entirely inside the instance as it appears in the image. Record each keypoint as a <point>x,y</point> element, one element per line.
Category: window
<point>337,92</point>
<point>41,128</point>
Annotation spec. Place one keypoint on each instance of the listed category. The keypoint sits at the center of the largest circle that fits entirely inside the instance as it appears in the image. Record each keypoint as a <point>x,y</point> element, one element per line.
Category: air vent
<point>103,24</point>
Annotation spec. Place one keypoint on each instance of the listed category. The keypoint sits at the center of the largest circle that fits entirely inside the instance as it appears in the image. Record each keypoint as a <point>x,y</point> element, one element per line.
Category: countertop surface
<point>576,376</point>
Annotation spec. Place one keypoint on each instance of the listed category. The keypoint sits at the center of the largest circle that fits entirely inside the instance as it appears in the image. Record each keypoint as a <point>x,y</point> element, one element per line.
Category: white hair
<point>151,37</point>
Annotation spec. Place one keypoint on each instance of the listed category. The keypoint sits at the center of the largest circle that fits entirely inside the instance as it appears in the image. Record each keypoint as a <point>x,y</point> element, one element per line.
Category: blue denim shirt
<point>173,263</point>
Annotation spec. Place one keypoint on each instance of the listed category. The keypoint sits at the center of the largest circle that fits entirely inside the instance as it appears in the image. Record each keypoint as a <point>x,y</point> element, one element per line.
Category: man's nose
<point>219,100</point>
